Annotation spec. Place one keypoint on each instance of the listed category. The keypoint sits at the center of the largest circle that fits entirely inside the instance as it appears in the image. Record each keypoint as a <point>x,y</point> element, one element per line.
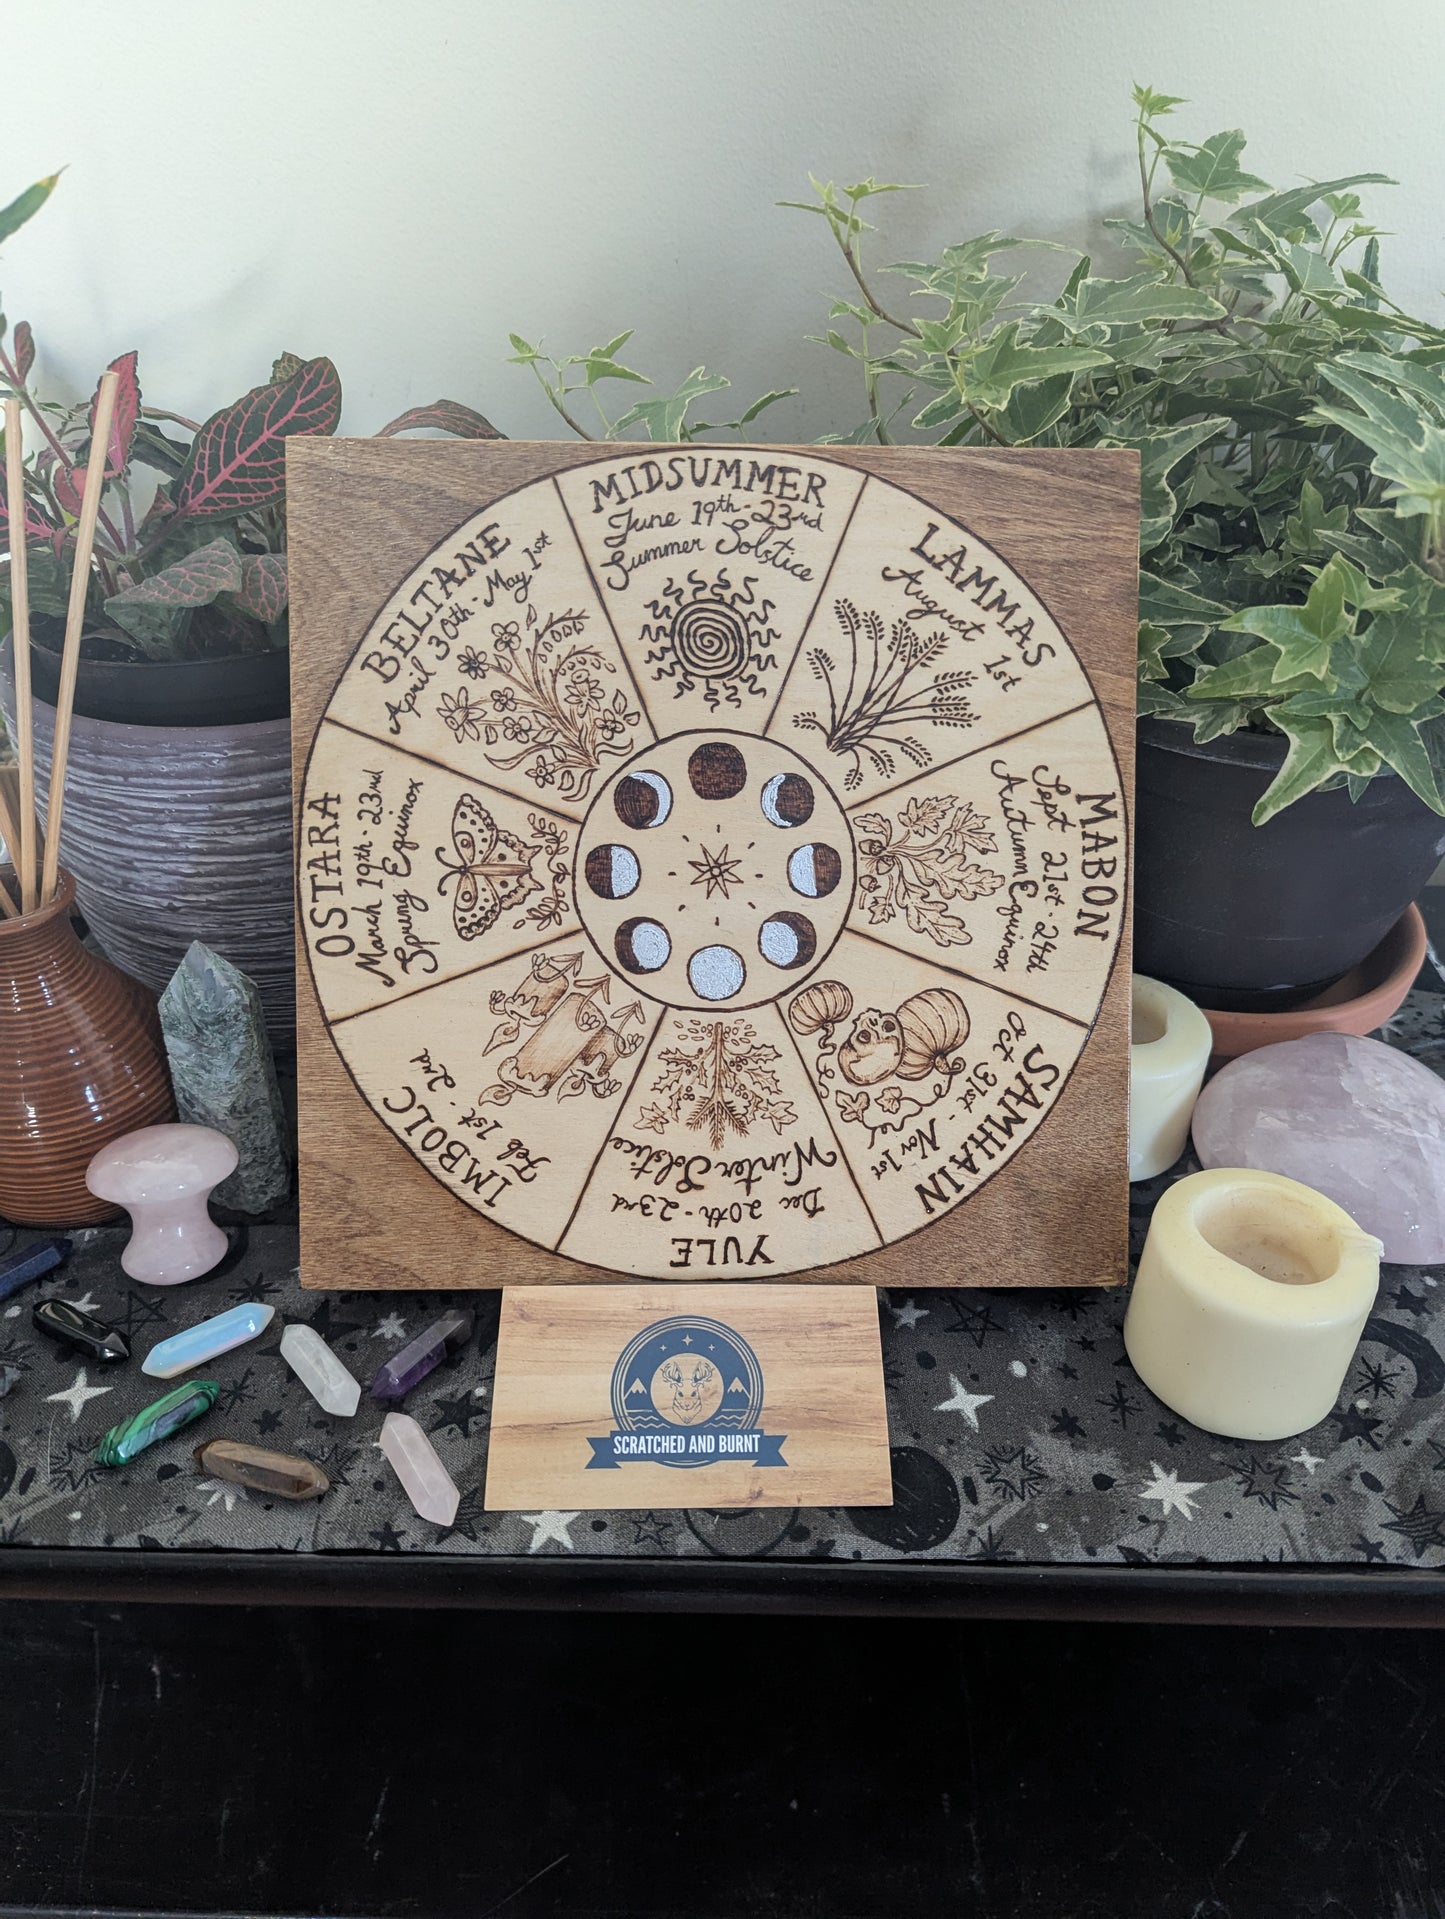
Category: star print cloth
<point>1019,1432</point>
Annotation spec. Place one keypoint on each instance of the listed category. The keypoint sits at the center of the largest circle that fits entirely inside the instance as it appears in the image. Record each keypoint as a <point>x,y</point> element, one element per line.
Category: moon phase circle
<point>642,800</point>
<point>788,940</point>
<point>716,973</point>
<point>739,855</point>
<point>612,872</point>
<point>717,771</point>
<point>788,800</point>
<point>642,945</point>
<point>814,870</point>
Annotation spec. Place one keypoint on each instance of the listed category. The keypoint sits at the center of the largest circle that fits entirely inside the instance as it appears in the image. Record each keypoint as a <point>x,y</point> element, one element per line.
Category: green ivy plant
<point>578,375</point>
<point>1288,414</point>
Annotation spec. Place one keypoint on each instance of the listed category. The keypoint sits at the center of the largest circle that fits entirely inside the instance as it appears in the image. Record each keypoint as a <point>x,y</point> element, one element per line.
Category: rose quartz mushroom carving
<point>163,1176</point>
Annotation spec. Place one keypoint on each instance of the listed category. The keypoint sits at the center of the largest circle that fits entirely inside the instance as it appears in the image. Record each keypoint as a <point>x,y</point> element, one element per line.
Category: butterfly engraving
<point>492,869</point>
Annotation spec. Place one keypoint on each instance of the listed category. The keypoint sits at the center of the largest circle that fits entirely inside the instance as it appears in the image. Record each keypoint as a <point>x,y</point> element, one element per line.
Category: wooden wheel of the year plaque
<point>712,863</point>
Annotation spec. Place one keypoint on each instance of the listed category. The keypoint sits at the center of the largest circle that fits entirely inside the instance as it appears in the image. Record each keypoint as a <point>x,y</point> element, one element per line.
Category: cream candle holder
<point>1168,1051</point>
<point>1250,1299</point>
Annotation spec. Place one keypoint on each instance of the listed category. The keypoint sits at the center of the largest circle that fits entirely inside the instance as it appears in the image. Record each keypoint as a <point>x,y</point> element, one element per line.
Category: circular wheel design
<point>712,863</point>
<point>714,869</point>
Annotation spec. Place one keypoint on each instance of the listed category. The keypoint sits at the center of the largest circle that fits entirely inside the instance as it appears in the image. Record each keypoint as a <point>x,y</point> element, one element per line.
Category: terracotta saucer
<point>1364,999</point>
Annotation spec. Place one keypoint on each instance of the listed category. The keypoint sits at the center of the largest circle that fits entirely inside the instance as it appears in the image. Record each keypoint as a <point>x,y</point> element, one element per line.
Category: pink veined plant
<point>193,565</point>
<point>202,571</point>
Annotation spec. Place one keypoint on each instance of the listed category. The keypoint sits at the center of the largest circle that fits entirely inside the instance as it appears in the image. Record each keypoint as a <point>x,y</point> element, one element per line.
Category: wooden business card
<point>700,1396</point>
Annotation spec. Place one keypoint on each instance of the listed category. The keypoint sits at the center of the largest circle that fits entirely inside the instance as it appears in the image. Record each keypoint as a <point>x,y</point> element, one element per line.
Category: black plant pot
<point>240,691</point>
<point>1257,919</point>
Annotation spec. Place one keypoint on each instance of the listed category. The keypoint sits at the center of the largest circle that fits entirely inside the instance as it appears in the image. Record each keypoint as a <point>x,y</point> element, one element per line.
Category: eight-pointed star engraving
<point>717,871</point>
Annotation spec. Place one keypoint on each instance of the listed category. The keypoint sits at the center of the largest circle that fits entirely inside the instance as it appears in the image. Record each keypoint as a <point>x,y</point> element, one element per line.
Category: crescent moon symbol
<point>663,791</point>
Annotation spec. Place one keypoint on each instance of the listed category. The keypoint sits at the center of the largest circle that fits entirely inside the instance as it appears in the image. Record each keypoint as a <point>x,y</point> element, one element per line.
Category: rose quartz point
<point>414,1460</point>
<point>1359,1121</point>
<point>163,1177</point>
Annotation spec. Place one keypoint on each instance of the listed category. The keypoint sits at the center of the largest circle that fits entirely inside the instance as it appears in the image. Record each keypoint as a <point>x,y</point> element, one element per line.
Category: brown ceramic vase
<point>81,1062</point>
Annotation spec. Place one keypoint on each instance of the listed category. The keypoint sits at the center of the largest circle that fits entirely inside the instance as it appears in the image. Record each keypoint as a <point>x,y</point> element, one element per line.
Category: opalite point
<point>396,1376</point>
<point>320,1371</point>
<point>163,1176</point>
<point>413,1458</point>
<point>197,1344</point>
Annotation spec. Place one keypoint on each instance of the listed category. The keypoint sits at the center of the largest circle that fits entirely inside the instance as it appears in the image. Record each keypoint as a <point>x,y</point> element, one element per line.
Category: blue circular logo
<point>696,1385</point>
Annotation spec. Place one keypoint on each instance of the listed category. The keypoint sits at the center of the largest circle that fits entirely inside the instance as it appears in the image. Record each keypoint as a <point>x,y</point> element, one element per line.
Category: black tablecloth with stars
<point>1020,1433</point>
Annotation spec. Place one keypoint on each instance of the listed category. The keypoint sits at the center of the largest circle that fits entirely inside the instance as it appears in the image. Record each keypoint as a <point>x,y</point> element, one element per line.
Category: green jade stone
<point>157,1421</point>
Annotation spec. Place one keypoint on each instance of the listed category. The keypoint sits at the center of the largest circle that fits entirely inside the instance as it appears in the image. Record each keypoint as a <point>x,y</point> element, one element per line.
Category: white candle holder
<point>1249,1302</point>
<point>1168,1051</point>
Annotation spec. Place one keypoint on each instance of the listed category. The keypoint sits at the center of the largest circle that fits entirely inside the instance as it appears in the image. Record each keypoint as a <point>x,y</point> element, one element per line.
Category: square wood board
<point>712,862</point>
<point>701,1396</point>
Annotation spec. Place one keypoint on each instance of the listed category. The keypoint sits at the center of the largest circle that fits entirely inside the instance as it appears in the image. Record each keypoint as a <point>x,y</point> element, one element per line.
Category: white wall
<point>399,183</point>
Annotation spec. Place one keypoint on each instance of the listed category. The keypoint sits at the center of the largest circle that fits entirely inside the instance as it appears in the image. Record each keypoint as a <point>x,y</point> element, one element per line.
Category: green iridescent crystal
<point>157,1421</point>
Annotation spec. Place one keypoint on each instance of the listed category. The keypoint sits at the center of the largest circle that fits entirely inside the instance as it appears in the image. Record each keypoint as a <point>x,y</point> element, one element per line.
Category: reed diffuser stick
<point>9,832</point>
<point>74,627</point>
<point>23,852</point>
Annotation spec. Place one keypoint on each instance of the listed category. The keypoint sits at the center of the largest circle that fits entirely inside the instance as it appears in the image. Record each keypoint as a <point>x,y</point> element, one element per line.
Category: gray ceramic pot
<point>176,833</point>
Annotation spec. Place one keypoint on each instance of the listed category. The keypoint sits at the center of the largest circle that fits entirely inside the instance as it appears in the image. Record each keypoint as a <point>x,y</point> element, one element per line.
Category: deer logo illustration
<point>689,1382</point>
<point>687,1391</point>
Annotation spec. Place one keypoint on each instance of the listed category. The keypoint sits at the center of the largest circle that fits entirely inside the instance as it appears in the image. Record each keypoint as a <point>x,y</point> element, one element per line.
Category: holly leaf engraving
<point>719,1081</point>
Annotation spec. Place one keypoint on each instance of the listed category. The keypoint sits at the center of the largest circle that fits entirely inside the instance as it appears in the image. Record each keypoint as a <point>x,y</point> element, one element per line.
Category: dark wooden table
<point>560,1765</point>
<point>1017,1700</point>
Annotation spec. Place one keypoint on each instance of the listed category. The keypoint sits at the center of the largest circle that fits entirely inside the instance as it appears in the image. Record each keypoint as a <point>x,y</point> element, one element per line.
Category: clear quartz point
<point>414,1460</point>
<point>320,1371</point>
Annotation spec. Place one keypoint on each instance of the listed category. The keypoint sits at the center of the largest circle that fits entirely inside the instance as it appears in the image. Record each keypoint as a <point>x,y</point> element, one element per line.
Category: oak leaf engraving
<point>922,863</point>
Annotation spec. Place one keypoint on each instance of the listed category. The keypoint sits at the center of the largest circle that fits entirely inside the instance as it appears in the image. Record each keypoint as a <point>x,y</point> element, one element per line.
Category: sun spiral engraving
<point>711,636</point>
